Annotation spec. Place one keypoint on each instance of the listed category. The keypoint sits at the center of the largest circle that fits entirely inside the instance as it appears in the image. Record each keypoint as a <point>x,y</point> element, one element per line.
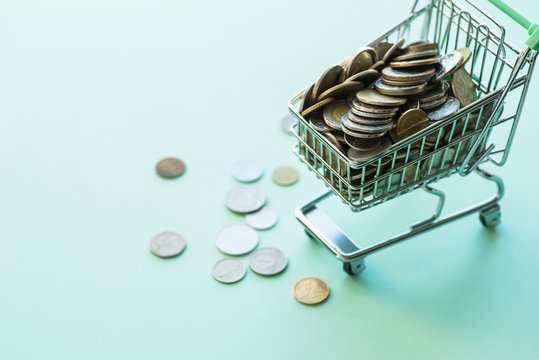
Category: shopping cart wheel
<point>490,217</point>
<point>354,268</point>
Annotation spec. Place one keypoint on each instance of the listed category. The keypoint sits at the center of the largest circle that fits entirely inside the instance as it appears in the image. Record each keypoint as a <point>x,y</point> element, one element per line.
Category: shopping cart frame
<point>454,145</point>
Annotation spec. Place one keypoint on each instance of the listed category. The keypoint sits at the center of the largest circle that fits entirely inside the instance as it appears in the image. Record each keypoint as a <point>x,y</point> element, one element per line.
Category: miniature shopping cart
<point>459,144</point>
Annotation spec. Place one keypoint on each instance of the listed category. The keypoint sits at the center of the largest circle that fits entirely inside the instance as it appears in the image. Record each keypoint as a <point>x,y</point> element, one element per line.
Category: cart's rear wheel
<point>490,217</point>
<point>352,268</point>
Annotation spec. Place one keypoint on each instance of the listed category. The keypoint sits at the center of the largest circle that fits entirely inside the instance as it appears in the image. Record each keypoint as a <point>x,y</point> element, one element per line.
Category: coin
<point>392,51</point>
<point>448,64</point>
<point>373,97</point>
<point>311,291</point>
<point>362,127</point>
<point>236,240</point>
<point>245,199</point>
<point>434,103</point>
<point>399,90</point>
<point>378,66</point>
<point>317,122</point>
<point>402,83</point>
<point>341,89</point>
<point>317,106</point>
<point>361,144</point>
<point>306,99</point>
<point>365,118</point>
<point>416,55</point>
<point>463,87</point>
<point>263,219</point>
<point>247,170</point>
<point>417,47</point>
<point>328,79</point>
<point>285,175</point>
<point>167,244</point>
<point>382,48</point>
<point>450,107</point>
<point>411,74</point>
<point>287,122</point>
<point>334,112</point>
<point>414,63</point>
<point>434,94</point>
<point>410,122</point>
<point>333,139</point>
<point>361,135</point>
<point>268,261</point>
<point>229,271</point>
<point>365,76</point>
<point>362,155</point>
<point>170,168</point>
<point>356,105</point>
<point>466,55</point>
<point>371,115</point>
<point>360,61</point>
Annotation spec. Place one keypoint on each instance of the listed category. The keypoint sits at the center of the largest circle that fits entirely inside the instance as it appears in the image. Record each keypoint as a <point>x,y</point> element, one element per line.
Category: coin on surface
<point>236,240</point>
<point>285,175</point>
<point>287,122</point>
<point>361,155</point>
<point>167,244</point>
<point>245,199</point>
<point>450,107</point>
<point>268,261</point>
<point>328,79</point>
<point>373,97</point>
<point>229,271</point>
<point>414,63</point>
<point>334,112</point>
<point>170,168</point>
<point>386,89</point>
<point>262,219</point>
<point>392,51</point>
<point>317,106</point>
<point>463,87</point>
<point>247,171</point>
<point>341,89</point>
<point>306,99</point>
<point>448,64</point>
<point>411,74</point>
<point>311,291</point>
<point>416,55</point>
<point>410,122</point>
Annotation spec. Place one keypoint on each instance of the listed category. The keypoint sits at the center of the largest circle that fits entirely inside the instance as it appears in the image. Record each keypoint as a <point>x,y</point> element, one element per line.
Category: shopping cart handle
<point>533,29</point>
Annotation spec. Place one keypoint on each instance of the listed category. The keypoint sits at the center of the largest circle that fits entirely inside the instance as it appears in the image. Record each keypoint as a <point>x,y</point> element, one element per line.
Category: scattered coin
<point>229,271</point>
<point>287,122</point>
<point>167,244</point>
<point>170,168</point>
<point>247,170</point>
<point>236,240</point>
<point>334,112</point>
<point>268,261</point>
<point>262,219</point>
<point>245,199</point>
<point>285,175</point>
<point>311,291</point>
<point>463,87</point>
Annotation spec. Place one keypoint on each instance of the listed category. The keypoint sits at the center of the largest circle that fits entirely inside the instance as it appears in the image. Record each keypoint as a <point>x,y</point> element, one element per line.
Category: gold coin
<point>392,51</point>
<point>414,63</point>
<point>328,79</point>
<point>463,87</point>
<point>360,61</point>
<point>285,175</point>
<point>418,73</point>
<point>341,89</point>
<point>378,66</point>
<point>373,97</point>
<point>416,55</point>
<point>316,106</point>
<point>410,122</point>
<point>170,168</point>
<point>306,99</point>
<point>311,291</point>
<point>333,139</point>
<point>466,55</point>
<point>334,112</point>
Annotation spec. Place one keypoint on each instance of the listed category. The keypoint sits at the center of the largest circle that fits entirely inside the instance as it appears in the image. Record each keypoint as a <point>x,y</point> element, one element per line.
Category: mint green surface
<point>94,93</point>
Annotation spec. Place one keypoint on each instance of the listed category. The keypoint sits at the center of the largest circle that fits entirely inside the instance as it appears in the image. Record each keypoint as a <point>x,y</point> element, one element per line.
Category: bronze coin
<point>317,106</point>
<point>362,155</point>
<point>328,79</point>
<point>365,76</point>
<point>170,168</point>
<point>306,100</point>
<point>382,48</point>
<point>392,51</point>
<point>378,66</point>
<point>371,115</point>
<point>333,139</point>
<point>402,83</point>
<point>389,111</point>
<point>416,73</point>
<point>466,55</point>
<point>372,97</point>
<point>419,46</point>
<point>311,291</point>
<point>416,55</point>
<point>359,61</point>
<point>410,122</point>
<point>463,87</point>
<point>334,112</point>
<point>341,89</point>
<point>414,63</point>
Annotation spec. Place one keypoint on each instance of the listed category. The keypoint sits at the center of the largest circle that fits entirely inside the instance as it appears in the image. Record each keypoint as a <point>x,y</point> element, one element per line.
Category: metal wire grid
<point>439,150</point>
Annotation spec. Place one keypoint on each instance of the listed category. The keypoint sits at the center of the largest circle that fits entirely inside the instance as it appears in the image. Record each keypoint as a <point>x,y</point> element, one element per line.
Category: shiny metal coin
<point>448,64</point>
<point>366,76</point>
<point>362,155</point>
<point>378,66</point>
<point>414,63</point>
<point>411,74</point>
<point>311,291</point>
<point>392,51</point>
<point>341,89</point>
<point>356,105</point>
<point>360,135</point>
<point>360,61</point>
<point>411,55</point>
<point>316,106</point>
<point>268,261</point>
<point>167,244</point>
<point>287,122</point>
<point>317,122</point>
<point>363,127</point>
<point>334,140</point>
<point>399,90</point>
<point>361,143</point>
<point>356,117</point>
<point>328,79</point>
<point>410,122</point>
<point>247,170</point>
<point>373,97</point>
<point>370,115</point>
<point>434,94</point>
<point>463,87</point>
<point>450,107</point>
<point>402,83</point>
<point>306,99</point>
<point>434,103</point>
<point>263,219</point>
<point>285,175</point>
<point>419,46</point>
<point>236,240</point>
<point>170,168</point>
<point>245,199</point>
<point>466,55</point>
<point>382,48</point>
<point>229,271</point>
<point>334,112</point>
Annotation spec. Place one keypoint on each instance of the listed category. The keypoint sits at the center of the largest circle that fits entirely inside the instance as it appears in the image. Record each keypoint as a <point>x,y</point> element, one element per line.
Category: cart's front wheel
<point>353,268</point>
<point>490,217</point>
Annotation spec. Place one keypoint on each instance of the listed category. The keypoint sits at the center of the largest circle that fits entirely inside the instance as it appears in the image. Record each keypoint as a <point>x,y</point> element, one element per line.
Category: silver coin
<point>245,199</point>
<point>357,127</point>
<point>317,122</point>
<point>247,170</point>
<point>263,219</point>
<point>236,240</point>
<point>287,122</point>
<point>167,244</point>
<point>268,261</point>
<point>444,111</point>
<point>448,64</point>
<point>229,271</point>
<point>385,89</point>
<point>362,155</point>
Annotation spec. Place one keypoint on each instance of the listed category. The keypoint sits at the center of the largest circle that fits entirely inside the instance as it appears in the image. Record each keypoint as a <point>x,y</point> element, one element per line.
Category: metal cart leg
<point>321,227</point>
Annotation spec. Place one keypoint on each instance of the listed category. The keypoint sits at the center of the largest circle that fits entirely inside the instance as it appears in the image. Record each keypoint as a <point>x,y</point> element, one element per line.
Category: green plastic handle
<point>533,29</point>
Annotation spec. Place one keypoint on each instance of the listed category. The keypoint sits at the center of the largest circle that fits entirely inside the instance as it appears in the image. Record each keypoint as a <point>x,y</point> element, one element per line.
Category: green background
<point>94,93</point>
